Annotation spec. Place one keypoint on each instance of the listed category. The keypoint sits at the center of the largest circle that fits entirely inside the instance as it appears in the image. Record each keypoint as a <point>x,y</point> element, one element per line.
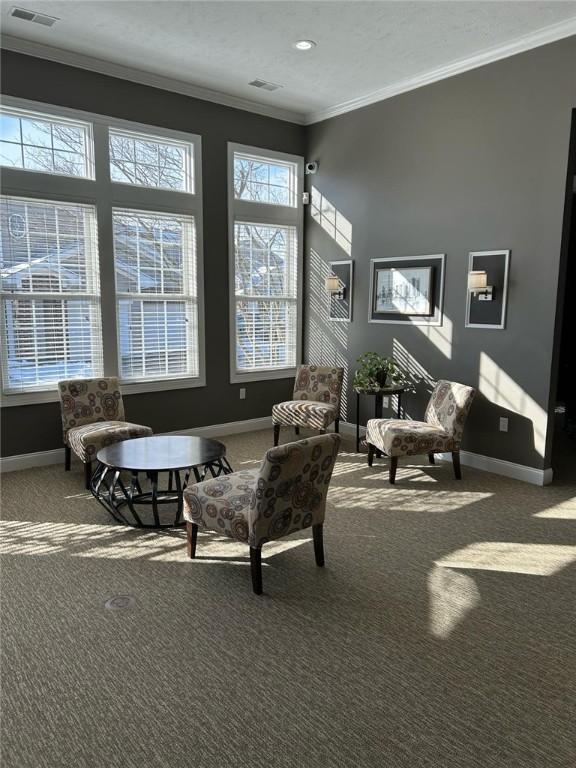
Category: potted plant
<point>376,372</point>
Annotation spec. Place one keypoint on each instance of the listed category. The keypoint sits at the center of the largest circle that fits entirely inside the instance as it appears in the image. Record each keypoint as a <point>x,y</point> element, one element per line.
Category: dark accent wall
<point>475,162</point>
<point>37,427</point>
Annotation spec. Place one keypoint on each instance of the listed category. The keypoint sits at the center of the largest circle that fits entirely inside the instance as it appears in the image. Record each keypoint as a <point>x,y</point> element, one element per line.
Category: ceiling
<point>366,50</point>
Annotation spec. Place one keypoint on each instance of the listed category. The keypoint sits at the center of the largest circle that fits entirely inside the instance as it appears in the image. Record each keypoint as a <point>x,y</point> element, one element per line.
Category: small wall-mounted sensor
<point>311,167</point>
<point>242,393</point>
<point>503,424</point>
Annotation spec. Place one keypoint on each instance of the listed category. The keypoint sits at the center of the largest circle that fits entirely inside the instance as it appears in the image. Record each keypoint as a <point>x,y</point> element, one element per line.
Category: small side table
<point>378,395</point>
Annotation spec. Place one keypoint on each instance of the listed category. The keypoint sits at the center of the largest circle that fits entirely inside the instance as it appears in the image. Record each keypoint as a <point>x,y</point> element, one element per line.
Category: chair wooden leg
<point>87,474</point>
<point>256,569</point>
<point>296,430</point>
<point>191,537</point>
<point>337,426</point>
<point>276,433</point>
<point>456,464</point>
<point>67,458</point>
<point>431,458</point>
<point>393,468</point>
<point>371,451</point>
<point>318,535</point>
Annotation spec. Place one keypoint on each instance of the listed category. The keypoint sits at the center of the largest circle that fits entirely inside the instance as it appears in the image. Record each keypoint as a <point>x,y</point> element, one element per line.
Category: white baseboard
<point>475,460</point>
<point>228,428</point>
<point>30,460</point>
<point>56,456</point>
<point>501,467</point>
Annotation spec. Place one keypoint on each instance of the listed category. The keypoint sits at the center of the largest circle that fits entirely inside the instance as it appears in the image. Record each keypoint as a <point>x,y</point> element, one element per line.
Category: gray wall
<point>37,427</point>
<point>476,162</point>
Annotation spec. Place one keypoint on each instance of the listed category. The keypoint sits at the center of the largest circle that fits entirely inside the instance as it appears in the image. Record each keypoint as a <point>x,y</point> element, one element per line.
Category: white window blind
<point>266,296</point>
<point>51,326</point>
<point>150,161</point>
<point>38,142</point>
<point>157,300</point>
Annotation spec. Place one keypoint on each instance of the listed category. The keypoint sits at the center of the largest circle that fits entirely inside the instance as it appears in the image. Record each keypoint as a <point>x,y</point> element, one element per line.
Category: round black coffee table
<point>124,468</point>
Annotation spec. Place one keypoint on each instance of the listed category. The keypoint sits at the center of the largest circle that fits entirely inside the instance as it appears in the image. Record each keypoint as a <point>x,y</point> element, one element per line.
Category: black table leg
<point>154,483</point>
<point>378,404</point>
<point>357,422</point>
<point>178,519</point>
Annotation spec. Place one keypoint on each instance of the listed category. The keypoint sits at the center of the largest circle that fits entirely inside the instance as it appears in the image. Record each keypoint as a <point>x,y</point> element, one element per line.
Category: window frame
<point>91,294</point>
<point>268,214</point>
<point>105,194</point>
<point>189,165</point>
<point>189,297</point>
<point>49,114</point>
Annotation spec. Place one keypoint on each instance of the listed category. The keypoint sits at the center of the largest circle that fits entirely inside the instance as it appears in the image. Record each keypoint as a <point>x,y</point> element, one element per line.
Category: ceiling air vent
<point>38,18</point>
<point>265,85</point>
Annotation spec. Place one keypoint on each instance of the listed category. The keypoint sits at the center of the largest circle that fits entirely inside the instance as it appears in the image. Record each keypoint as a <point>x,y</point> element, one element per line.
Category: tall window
<point>266,226</point>
<point>129,204</point>
<point>155,264</point>
<point>50,293</point>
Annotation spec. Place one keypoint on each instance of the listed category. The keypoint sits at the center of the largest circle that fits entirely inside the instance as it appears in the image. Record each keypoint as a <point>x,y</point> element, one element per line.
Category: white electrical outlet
<point>242,393</point>
<point>503,424</point>
<point>385,402</point>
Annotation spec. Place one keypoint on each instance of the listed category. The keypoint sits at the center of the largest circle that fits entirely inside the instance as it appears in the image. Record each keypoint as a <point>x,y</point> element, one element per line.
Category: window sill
<point>237,377</point>
<point>51,395</point>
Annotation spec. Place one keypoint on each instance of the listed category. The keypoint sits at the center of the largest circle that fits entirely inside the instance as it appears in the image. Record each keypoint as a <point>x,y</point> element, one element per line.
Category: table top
<point>161,453</point>
<point>381,391</point>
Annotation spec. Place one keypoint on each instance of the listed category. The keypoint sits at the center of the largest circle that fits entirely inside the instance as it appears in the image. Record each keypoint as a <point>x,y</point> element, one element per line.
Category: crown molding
<point>80,60</point>
<point>535,39</point>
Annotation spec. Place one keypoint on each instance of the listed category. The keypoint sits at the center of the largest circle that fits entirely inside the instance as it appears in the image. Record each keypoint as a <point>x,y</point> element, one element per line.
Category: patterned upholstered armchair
<point>92,417</point>
<point>441,432</point>
<point>315,401</point>
<point>286,494</point>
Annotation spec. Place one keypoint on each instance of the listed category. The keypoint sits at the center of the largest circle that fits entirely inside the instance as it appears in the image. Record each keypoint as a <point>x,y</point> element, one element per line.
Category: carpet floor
<point>441,632</point>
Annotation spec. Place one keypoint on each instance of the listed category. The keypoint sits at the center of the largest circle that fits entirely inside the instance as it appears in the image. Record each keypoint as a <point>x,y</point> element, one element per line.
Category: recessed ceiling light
<point>304,45</point>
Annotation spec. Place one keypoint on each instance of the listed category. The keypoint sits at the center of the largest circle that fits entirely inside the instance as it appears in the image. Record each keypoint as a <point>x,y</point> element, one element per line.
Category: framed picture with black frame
<point>407,289</point>
<point>340,306</point>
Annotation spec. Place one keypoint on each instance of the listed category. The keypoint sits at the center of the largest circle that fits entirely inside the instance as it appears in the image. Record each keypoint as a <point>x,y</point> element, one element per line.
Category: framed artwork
<point>404,290</point>
<point>480,312</point>
<point>407,289</point>
<point>340,306</point>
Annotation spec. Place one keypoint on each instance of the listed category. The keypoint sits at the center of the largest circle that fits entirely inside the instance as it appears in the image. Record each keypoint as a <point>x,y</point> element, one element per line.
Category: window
<point>266,231</point>
<point>264,181</point>
<point>155,265</point>
<point>149,161</point>
<point>129,214</point>
<point>38,142</point>
<point>50,293</point>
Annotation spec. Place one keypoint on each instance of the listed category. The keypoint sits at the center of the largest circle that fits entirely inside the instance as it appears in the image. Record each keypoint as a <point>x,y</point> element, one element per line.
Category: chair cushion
<point>222,504</point>
<point>87,440</point>
<point>398,437</point>
<point>304,413</point>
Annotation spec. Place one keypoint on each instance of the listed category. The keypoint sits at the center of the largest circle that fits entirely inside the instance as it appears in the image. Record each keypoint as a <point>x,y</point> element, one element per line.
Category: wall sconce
<point>478,285</point>
<point>335,287</point>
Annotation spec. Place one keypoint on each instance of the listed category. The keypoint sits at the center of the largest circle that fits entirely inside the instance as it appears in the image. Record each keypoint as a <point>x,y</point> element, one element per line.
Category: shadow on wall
<point>327,341</point>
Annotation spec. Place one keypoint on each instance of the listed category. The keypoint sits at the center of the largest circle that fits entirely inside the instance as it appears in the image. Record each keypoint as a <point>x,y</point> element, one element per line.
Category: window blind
<point>266,296</point>
<point>156,289</point>
<point>51,325</point>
